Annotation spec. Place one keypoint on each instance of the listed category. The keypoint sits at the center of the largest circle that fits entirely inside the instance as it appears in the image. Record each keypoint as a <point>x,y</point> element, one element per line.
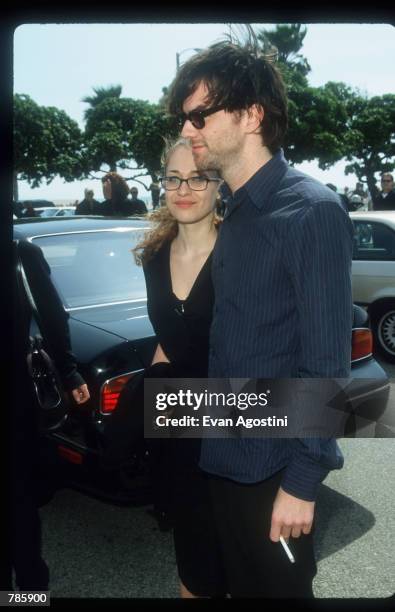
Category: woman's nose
<point>184,187</point>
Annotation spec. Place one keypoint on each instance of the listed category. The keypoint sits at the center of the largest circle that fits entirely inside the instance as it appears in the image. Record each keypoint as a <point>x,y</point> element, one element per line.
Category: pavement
<point>97,550</point>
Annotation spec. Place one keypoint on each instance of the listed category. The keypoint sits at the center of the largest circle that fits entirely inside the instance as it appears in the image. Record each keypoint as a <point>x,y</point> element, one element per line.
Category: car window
<point>49,212</point>
<point>92,268</point>
<point>373,241</point>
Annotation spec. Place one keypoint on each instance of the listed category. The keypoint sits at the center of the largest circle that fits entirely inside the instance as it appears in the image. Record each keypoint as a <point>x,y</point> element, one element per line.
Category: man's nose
<point>188,130</point>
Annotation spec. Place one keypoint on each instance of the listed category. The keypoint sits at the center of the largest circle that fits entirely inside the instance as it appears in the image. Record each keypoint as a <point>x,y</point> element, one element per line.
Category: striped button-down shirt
<point>283,309</point>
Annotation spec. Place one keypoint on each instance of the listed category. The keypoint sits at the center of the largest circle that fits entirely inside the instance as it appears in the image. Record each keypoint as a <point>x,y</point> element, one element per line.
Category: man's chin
<point>202,161</point>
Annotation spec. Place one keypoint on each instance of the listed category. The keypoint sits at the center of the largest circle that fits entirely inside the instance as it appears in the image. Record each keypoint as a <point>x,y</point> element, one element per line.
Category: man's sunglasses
<point>196,117</point>
<point>386,180</point>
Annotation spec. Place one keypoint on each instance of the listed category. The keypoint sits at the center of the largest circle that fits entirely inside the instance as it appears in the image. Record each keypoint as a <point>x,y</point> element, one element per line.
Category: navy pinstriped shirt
<point>283,309</point>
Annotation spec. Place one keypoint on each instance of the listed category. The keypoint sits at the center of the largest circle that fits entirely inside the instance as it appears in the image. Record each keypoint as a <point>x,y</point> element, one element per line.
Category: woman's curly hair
<point>165,226</point>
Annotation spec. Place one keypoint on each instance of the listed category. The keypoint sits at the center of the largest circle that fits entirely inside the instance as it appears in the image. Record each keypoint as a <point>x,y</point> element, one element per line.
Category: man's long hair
<point>237,75</point>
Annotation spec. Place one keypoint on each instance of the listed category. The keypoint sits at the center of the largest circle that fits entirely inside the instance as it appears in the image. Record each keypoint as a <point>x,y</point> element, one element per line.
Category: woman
<point>115,191</point>
<point>176,257</point>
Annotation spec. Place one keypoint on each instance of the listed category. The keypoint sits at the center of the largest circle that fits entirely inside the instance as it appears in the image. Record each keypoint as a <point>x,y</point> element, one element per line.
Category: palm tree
<point>288,40</point>
<point>101,94</point>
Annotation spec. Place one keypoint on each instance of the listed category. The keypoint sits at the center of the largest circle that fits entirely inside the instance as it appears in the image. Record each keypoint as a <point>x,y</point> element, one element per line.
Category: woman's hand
<point>159,356</point>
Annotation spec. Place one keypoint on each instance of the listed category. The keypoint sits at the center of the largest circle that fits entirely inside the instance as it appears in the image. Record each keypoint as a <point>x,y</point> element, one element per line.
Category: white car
<point>373,274</point>
<point>56,211</point>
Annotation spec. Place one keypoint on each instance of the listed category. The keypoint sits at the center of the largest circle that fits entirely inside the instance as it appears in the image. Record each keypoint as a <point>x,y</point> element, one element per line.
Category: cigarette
<point>286,548</point>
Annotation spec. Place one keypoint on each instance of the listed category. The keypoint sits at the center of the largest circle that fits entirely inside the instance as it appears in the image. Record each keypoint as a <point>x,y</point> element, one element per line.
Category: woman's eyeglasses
<point>197,117</point>
<point>195,183</point>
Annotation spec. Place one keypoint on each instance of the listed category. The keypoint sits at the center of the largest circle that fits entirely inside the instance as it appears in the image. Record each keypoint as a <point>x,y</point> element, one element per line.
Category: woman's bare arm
<point>159,356</point>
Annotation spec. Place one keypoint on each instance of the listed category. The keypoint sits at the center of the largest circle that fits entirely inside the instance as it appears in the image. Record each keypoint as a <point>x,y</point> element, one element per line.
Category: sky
<point>59,64</point>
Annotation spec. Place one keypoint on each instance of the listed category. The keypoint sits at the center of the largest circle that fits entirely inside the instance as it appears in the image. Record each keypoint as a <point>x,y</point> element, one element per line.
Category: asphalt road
<point>95,549</point>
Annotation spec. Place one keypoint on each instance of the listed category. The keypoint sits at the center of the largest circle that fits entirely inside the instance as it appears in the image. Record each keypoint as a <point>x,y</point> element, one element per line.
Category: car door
<point>373,266</point>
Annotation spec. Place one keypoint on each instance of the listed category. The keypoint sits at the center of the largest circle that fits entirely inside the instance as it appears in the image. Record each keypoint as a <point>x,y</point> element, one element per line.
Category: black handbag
<point>52,400</point>
<point>53,411</point>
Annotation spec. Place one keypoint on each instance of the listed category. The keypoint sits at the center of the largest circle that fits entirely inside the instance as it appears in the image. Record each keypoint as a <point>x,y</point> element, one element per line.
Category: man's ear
<point>255,116</point>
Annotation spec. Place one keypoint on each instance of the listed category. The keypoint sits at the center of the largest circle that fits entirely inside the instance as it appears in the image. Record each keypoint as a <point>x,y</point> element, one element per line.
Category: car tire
<point>383,327</point>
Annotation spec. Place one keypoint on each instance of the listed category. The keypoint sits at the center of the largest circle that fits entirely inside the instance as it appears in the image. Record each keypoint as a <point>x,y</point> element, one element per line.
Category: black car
<point>104,292</point>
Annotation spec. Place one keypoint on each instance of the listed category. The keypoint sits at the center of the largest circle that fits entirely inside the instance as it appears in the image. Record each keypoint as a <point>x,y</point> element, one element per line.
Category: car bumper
<point>369,390</point>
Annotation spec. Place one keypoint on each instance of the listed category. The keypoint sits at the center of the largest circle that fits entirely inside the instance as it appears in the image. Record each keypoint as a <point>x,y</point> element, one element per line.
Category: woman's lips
<point>183,203</point>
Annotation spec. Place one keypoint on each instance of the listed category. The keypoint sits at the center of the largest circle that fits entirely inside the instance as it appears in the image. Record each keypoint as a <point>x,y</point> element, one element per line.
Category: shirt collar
<point>259,187</point>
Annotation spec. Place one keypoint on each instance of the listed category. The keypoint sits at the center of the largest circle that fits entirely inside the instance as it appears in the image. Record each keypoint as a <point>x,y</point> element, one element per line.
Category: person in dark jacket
<point>154,188</point>
<point>139,207</point>
<point>29,211</point>
<point>116,191</point>
<point>385,200</point>
<point>283,308</point>
<point>31,571</point>
<point>89,206</point>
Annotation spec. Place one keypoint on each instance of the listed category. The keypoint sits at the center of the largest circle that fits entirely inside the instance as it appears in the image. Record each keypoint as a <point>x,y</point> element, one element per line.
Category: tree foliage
<point>370,137</point>
<point>127,133</point>
<point>317,118</point>
<point>47,143</point>
<point>327,123</point>
<point>100,94</point>
<point>288,40</point>
<point>335,121</point>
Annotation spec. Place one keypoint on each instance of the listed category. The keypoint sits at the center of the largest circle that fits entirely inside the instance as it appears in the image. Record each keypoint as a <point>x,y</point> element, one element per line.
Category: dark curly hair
<point>236,76</point>
<point>119,187</point>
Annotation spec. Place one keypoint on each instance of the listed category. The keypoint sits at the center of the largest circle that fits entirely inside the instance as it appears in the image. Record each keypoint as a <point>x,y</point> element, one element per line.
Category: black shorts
<point>255,566</point>
<point>197,549</point>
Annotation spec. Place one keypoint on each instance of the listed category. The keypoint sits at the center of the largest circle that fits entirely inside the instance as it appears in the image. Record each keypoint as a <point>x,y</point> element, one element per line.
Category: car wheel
<point>383,322</point>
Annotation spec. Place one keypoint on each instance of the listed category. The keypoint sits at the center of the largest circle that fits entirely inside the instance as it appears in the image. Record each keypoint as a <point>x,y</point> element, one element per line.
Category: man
<point>283,309</point>
<point>29,210</point>
<point>154,188</point>
<point>344,199</point>
<point>88,206</point>
<point>137,207</point>
<point>386,199</point>
<point>360,198</point>
<point>31,571</point>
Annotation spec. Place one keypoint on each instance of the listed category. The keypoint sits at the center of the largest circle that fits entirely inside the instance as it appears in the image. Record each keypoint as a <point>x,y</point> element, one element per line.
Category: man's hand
<point>81,394</point>
<point>291,516</point>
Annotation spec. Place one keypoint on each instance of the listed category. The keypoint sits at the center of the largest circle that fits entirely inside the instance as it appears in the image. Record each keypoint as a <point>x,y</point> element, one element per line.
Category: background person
<point>154,188</point>
<point>115,191</point>
<point>31,571</point>
<point>363,201</point>
<point>344,199</point>
<point>138,207</point>
<point>88,206</point>
<point>385,200</point>
<point>29,211</point>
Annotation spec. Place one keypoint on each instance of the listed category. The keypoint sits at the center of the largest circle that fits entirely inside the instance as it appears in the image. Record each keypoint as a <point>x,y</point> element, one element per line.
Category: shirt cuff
<point>72,381</point>
<point>303,477</point>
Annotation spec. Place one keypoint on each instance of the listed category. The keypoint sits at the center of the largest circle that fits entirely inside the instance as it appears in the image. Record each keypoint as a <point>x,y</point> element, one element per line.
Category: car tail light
<point>70,455</point>
<point>362,343</point>
<point>111,391</point>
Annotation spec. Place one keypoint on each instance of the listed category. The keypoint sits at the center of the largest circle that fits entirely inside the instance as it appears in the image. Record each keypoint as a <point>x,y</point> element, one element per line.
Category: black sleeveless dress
<point>182,328</point>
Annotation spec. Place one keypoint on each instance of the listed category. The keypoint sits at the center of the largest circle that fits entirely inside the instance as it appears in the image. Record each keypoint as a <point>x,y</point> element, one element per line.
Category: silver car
<point>373,274</point>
